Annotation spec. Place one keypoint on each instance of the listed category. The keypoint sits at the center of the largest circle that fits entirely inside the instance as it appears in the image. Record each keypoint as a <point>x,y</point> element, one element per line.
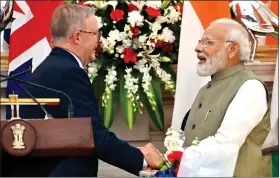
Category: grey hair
<point>68,18</point>
<point>238,34</point>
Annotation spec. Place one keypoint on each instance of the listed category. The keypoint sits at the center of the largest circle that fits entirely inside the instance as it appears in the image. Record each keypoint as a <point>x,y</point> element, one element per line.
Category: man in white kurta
<point>230,114</point>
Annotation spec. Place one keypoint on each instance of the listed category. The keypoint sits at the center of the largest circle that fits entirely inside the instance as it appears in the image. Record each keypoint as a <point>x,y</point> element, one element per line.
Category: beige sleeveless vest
<point>214,99</point>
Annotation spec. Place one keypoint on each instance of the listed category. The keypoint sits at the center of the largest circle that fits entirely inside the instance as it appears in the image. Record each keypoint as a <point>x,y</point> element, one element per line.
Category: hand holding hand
<point>152,156</point>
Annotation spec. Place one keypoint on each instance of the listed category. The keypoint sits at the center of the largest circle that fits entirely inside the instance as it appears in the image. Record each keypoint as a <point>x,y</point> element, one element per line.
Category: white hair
<point>67,18</point>
<point>238,34</point>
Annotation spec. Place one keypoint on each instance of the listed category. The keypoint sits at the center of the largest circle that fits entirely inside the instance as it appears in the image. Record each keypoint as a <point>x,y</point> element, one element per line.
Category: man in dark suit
<point>75,35</point>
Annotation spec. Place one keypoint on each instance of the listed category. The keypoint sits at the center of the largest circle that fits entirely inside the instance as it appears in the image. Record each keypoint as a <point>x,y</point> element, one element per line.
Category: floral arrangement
<point>139,40</point>
<point>173,142</point>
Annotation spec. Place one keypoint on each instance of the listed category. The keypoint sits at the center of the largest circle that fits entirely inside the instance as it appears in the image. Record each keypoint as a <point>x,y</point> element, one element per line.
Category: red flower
<point>132,7</point>
<point>177,170</point>
<point>158,44</point>
<point>168,48</point>
<point>129,55</point>
<point>117,15</point>
<point>82,3</point>
<point>98,49</point>
<point>153,12</point>
<point>135,31</point>
<point>175,156</point>
<point>179,6</point>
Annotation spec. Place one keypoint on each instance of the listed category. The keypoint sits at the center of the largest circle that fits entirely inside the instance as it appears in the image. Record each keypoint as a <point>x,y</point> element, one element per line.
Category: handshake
<point>152,156</point>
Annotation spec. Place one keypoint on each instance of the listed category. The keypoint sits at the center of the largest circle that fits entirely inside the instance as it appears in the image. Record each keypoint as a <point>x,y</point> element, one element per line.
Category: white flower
<point>153,36</point>
<point>156,27</point>
<point>107,45</point>
<point>123,35</point>
<point>163,75</point>
<point>174,140</point>
<point>98,4</point>
<point>147,55</point>
<point>155,65</point>
<point>127,42</point>
<point>143,38</point>
<point>92,70</point>
<point>154,4</point>
<point>136,44</point>
<point>99,22</point>
<point>120,48</point>
<point>114,35</point>
<point>135,19</point>
<point>173,143</point>
<point>173,15</point>
<point>111,77</point>
<point>131,84</point>
<point>168,35</point>
<point>146,81</point>
<point>138,4</point>
<point>113,3</point>
<point>140,64</point>
<point>161,19</point>
<point>109,85</point>
<point>126,28</point>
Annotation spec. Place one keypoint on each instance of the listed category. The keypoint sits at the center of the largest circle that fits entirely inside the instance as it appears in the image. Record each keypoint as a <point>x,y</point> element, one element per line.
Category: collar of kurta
<point>228,73</point>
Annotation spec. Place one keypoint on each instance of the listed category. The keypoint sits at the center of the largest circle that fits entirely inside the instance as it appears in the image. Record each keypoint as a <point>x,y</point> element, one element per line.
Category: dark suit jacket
<point>61,71</point>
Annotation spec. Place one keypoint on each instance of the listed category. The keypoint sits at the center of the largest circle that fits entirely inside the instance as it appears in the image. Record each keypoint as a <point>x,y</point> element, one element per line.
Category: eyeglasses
<point>94,33</point>
<point>206,42</point>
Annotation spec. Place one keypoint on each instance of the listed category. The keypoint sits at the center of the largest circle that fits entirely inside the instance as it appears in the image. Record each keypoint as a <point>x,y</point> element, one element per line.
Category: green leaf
<point>99,86</point>
<point>165,4</point>
<point>156,115</point>
<point>108,112</point>
<point>126,104</point>
<point>164,59</point>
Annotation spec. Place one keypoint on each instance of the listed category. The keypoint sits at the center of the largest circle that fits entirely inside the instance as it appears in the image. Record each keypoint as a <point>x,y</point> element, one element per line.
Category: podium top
<point>29,101</point>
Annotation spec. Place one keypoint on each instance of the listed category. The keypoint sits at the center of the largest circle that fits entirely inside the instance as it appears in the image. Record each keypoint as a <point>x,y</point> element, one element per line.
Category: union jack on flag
<point>29,41</point>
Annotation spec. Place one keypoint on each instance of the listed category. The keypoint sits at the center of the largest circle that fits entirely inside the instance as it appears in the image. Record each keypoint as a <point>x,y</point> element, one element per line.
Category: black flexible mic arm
<point>9,77</point>
<point>47,115</point>
<point>70,106</point>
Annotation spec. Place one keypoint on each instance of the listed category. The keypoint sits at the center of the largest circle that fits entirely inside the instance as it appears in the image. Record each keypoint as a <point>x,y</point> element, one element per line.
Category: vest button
<point>199,105</point>
<point>193,126</point>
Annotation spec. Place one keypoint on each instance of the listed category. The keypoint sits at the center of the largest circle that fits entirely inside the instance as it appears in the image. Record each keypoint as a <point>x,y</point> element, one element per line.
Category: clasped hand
<point>152,156</point>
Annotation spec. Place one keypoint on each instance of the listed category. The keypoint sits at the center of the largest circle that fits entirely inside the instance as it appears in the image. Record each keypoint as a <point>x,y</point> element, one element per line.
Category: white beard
<point>212,64</point>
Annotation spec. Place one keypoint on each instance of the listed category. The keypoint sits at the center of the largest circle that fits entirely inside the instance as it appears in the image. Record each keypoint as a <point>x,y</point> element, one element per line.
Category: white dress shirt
<point>78,60</point>
<point>244,113</point>
<point>145,164</point>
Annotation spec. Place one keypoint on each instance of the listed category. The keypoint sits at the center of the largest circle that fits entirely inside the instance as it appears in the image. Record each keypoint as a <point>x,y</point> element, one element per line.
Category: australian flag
<point>28,40</point>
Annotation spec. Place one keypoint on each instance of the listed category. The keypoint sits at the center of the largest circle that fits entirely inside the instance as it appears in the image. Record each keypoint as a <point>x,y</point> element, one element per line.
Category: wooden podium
<point>34,147</point>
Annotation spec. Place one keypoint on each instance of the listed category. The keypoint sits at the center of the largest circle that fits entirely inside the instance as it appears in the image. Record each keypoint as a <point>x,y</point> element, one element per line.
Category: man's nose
<point>198,48</point>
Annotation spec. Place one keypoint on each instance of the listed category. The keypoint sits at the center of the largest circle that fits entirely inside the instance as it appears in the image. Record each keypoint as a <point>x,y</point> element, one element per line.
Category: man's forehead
<point>218,32</point>
<point>91,22</point>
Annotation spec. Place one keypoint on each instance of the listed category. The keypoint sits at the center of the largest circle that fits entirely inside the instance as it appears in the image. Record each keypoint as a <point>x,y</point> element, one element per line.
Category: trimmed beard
<point>213,64</point>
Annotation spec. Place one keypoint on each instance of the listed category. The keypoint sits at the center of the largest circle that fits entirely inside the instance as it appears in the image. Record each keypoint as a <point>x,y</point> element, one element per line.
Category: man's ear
<point>76,37</point>
<point>233,49</point>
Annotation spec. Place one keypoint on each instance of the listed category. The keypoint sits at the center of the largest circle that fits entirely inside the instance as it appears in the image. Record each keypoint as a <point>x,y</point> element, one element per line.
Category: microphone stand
<point>70,106</point>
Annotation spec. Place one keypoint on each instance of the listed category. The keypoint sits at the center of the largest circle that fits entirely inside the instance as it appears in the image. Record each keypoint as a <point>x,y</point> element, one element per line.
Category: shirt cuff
<point>145,164</point>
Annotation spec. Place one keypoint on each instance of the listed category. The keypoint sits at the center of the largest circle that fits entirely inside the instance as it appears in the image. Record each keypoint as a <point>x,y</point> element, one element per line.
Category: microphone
<point>47,115</point>
<point>70,106</point>
<point>12,76</point>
